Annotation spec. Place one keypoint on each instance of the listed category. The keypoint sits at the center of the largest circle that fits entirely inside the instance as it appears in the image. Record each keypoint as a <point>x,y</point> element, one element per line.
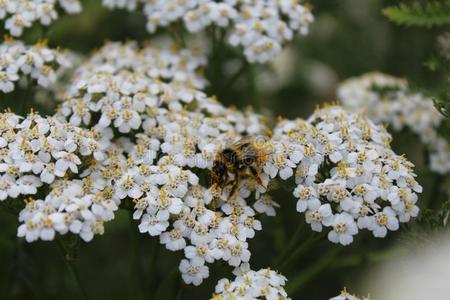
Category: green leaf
<point>433,13</point>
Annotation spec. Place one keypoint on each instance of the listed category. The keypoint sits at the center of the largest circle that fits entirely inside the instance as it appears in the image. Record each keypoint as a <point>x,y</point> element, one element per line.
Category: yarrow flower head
<point>45,156</point>
<point>151,135</point>
<point>22,62</point>
<point>21,14</point>
<point>37,151</point>
<point>349,179</point>
<point>77,206</point>
<point>259,27</point>
<point>248,284</point>
<point>386,99</point>
<point>177,132</point>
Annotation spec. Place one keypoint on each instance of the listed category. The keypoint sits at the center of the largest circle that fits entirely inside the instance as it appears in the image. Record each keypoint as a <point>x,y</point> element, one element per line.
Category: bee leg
<point>235,186</point>
<point>255,173</point>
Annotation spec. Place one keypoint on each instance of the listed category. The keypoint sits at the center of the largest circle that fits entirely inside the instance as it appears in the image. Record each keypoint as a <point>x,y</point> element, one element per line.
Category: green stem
<point>236,75</point>
<point>358,260</point>
<point>135,269</point>
<point>216,63</point>
<point>436,191</point>
<point>298,282</point>
<point>254,98</point>
<point>180,291</point>
<point>151,268</point>
<point>69,260</point>
<point>299,251</point>
<point>9,209</point>
<point>177,35</point>
<point>293,241</point>
<point>165,289</point>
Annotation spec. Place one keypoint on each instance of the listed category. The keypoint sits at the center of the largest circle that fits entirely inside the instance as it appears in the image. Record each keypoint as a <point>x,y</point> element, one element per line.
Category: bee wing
<point>248,148</point>
<point>243,142</point>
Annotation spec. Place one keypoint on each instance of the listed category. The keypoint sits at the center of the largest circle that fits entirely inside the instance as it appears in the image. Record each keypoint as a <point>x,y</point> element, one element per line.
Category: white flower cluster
<point>21,14</point>
<point>36,151</point>
<point>386,99</point>
<point>260,27</point>
<point>76,206</point>
<point>41,156</point>
<point>155,137</point>
<point>345,295</point>
<point>38,62</point>
<point>121,84</point>
<point>349,178</point>
<point>249,285</point>
<point>178,130</point>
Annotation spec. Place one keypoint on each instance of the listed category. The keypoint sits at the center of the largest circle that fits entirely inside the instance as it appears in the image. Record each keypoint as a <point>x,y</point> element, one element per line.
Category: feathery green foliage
<point>430,14</point>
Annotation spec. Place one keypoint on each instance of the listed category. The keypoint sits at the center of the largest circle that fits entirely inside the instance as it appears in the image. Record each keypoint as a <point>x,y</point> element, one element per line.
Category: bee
<point>247,154</point>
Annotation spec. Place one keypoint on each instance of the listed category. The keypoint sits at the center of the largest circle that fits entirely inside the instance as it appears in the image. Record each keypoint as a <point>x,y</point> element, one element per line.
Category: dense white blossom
<point>21,14</point>
<point>38,63</point>
<point>261,28</point>
<point>150,139</point>
<point>77,206</point>
<point>386,99</point>
<point>43,156</point>
<point>178,130</point>
<point>248,284</point>
<point>35,151</point>
<point>349,178</point>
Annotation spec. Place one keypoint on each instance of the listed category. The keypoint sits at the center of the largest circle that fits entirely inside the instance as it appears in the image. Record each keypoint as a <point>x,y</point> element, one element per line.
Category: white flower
<point>66,160</point>
<point>127,187</point>
<point>266,205</point>
<point>318,217</point>
<point>248,284</point>
<point>344,228</point>
<point>127,120</point>
<point>173,240</point>
<point>308,198</point>
<point>200,252</point>
<point>237,254</point>
<point>383,221</point>
<point>8,188</point>
<point>152,225</point>
<point>193,271</point>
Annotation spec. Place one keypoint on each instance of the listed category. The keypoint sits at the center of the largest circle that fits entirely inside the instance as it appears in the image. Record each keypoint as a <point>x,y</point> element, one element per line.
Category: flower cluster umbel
<point>151,136</point>
<point>22,62</point>
<point>248,284</point>
<point>259,27</point>
<point>21,14</point>
<point>177,130</point>
<point>348,178</point>
<point>40,156</point>
<point>387,99</point>
<point>263,284</point>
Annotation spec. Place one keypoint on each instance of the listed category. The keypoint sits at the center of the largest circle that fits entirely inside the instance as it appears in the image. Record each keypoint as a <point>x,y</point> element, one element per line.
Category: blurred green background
<point>348,38</point>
